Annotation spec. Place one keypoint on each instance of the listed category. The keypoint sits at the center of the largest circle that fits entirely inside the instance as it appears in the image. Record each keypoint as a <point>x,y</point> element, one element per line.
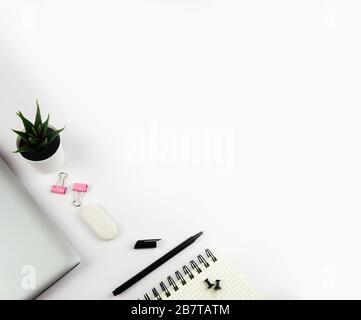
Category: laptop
<point>33,254</point>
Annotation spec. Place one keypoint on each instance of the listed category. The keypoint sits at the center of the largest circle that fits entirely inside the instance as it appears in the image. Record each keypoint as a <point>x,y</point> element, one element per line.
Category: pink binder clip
<point>59,187</point>
<point>79,189</point>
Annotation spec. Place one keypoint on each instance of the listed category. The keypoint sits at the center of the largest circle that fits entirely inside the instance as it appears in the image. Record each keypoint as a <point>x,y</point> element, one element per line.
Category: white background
<point>278,80</point>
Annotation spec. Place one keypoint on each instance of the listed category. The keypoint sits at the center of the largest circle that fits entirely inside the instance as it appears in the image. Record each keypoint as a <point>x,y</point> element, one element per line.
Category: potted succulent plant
<point>40,143</point>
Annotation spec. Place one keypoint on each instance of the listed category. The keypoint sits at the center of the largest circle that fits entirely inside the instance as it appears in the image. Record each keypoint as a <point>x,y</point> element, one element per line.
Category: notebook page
<point>233,284</point>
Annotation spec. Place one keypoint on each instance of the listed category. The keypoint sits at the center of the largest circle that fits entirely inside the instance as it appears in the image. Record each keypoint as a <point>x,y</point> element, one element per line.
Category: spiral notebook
<point>193,281</point>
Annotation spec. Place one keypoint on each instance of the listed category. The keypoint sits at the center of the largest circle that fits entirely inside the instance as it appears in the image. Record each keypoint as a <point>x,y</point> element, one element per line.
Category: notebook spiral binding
<point>188,275</point>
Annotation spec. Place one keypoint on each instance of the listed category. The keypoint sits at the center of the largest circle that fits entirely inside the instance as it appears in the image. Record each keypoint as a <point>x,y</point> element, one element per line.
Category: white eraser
<point>99,222</point>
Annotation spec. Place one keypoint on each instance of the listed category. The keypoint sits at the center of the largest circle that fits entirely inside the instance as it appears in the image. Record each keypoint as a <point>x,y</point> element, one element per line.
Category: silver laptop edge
<point>33,254</point>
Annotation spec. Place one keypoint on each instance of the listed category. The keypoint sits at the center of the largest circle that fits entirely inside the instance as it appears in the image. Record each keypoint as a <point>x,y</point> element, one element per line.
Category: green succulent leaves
<point>36,135</point>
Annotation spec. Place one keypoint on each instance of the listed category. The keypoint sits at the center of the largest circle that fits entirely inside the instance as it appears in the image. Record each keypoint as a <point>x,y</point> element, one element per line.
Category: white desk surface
<point>273,86</point>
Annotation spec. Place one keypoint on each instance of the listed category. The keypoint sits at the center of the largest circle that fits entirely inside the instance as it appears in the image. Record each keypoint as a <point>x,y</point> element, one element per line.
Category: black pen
<point>156,264</point>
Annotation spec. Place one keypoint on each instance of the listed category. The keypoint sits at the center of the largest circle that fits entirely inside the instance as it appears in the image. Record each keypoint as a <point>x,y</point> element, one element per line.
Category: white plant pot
<point>50,165</point>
